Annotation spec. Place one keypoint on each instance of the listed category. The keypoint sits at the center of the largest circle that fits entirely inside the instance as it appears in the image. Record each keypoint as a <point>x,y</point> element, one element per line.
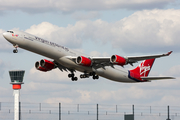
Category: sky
<point>97,28</point>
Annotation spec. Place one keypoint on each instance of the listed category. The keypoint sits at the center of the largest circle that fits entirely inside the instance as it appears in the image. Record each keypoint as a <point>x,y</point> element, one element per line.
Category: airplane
<point>71,61</point>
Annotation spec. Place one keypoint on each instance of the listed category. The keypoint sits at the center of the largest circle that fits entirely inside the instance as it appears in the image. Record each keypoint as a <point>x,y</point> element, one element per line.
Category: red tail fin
<point>143,69</point>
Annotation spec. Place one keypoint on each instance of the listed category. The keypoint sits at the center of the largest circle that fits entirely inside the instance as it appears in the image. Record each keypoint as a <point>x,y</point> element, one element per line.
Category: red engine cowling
<point>38,67</point>
<point>49,65</point>
<point>44,65</point>
<point>116,59</point>
<point>81,60</point>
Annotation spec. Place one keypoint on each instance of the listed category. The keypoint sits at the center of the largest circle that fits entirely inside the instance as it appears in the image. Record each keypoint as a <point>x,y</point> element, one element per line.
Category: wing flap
<point>63,68</point>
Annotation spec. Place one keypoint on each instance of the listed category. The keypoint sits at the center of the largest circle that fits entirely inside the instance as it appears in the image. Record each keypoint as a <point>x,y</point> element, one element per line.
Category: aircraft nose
<point>5,35</point>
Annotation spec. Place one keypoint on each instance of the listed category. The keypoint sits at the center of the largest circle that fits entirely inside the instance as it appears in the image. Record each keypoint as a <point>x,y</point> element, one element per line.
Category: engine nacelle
<point>49,65</point>
<point>116,59</point>
<point>81,60</point>
<point>38,67</point>
<point>44,65</point>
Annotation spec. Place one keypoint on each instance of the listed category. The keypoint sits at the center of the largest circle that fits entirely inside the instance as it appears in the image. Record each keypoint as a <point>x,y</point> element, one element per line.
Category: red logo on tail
<point>142,70</point>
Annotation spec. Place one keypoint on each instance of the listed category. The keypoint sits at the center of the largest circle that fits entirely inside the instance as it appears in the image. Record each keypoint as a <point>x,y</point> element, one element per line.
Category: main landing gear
<point>73,78</point>
<point>15,50</point>
<point>86,75</point>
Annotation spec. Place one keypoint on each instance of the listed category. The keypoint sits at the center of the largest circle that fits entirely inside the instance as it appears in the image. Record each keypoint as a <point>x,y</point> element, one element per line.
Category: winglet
<point>168,53</point>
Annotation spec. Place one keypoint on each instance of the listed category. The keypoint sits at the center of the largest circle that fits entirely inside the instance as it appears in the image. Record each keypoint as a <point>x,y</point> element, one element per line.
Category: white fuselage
<point>59,53</point>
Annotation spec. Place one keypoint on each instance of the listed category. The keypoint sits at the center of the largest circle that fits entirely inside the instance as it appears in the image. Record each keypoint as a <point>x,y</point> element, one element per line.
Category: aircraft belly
<point>118,75</point>
<point>42,49</point>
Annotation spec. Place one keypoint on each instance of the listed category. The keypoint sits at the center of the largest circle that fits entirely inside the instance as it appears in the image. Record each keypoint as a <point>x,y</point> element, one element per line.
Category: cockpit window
<point>10,31</point>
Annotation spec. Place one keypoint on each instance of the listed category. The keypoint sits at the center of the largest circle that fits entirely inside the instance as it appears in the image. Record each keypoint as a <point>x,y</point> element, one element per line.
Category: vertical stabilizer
<point>143,69</point>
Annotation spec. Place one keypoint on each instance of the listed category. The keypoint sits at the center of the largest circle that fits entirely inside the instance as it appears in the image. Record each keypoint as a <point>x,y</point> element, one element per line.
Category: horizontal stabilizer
<point>156,78</point>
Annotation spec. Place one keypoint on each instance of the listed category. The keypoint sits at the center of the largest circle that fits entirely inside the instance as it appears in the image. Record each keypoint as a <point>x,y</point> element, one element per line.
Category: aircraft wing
<point>156,78</point>
<point>105,61</point>
<point>130,59</point>
<point>134,59</point>
<point>100,59</point>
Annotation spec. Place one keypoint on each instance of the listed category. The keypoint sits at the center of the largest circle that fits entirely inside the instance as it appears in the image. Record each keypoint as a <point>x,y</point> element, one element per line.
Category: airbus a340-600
<point>69,60</point>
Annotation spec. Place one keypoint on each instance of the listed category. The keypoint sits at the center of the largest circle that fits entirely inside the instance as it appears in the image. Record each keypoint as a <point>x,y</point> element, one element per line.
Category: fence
<point>59,111</point>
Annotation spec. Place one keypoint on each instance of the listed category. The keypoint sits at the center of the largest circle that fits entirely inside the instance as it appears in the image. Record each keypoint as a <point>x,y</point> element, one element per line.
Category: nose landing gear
<point>15,50</point>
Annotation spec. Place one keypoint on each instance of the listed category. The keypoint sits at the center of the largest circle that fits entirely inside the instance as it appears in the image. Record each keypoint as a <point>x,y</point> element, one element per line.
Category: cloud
<point>69,36</point>
<point>54,75</point>
<point>5,94</point>
<point>39,6</point>
<point>3,67</point>
<point>57,100</point>
<point>85,15</point>
<point>98,54</point>
<point>36,86</point>
<point>128,94</point>
<point>165,100</point>
<point>174,71</point>
<point>144,31</point>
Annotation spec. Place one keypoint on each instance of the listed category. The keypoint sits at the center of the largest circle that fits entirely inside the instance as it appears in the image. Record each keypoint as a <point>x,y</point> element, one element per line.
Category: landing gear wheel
<point>15,51</point>
<point>91,74</point>
<point>95,77</point>
<point>74,78</point>
<point>85,75</point>
<point>70,75</point>
<point>81,76</point>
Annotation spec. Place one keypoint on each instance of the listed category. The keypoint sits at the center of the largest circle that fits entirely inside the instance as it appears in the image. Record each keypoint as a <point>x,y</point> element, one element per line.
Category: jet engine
<point>116,59</point>
<point>81,60</point>
<point>44,65</point>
